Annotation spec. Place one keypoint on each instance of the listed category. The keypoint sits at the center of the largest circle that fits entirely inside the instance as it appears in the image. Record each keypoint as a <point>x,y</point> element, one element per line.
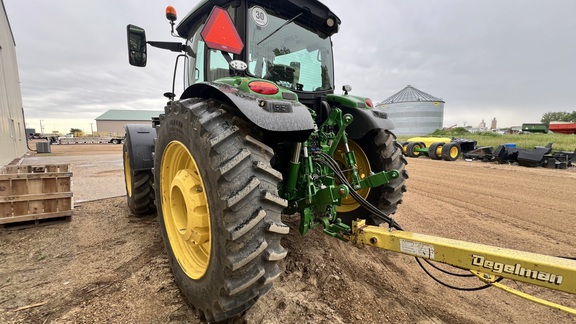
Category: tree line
<point>562,116</point>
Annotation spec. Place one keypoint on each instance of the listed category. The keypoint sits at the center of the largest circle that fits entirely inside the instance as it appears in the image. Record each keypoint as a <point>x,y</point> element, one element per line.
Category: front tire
<point>218,208</point>
<point>376,151</point>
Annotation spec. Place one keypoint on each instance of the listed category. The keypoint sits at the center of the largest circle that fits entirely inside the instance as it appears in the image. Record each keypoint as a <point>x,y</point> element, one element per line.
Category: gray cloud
<point>512,60</point>
<point>507,59</point>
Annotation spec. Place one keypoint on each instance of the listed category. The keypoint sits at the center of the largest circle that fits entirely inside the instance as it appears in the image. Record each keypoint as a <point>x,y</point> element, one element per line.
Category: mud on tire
<point>238,262</point>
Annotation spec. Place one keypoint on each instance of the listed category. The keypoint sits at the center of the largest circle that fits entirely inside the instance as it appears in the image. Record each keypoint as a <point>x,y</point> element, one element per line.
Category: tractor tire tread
<point>248,229</point>
<point>142,202</point>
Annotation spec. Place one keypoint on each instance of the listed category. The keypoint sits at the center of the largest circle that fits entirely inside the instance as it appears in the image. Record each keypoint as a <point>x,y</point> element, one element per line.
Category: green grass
<point>561,142</point>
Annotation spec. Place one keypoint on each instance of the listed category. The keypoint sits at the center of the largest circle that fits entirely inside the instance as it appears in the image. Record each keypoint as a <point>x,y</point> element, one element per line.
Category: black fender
<point>284,116</point>
<point>366,120</point>
<point>140,141</point>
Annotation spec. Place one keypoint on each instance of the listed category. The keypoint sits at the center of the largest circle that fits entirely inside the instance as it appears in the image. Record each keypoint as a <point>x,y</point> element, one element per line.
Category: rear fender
<point>365,118</point>
<point>141,141</point>
<point>286,116</point>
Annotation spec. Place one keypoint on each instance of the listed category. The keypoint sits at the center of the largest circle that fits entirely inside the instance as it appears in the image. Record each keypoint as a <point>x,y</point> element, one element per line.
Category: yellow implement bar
<point>537,269</point>
<point>490,279</point>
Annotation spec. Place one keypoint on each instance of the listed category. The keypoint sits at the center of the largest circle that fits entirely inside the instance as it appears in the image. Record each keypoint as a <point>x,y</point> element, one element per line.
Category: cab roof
<point>314,18</point>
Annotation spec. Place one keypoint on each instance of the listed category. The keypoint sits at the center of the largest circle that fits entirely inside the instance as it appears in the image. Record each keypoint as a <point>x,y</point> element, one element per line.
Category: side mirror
<point>136,45</point>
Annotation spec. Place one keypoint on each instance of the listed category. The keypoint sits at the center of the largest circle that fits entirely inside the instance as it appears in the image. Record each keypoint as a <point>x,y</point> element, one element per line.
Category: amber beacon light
<point>171,13</point>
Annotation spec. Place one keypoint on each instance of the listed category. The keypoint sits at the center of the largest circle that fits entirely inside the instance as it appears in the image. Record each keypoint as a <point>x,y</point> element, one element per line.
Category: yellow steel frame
<point>486,262</point>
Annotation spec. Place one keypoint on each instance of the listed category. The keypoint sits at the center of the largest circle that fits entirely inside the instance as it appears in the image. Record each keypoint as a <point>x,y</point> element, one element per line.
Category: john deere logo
<point>436,104</point>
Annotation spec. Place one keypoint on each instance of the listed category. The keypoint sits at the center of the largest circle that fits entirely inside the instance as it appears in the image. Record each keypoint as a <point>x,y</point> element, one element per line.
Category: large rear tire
<point>376,151</point>
<point>218,208</point>
<point>139,186</point>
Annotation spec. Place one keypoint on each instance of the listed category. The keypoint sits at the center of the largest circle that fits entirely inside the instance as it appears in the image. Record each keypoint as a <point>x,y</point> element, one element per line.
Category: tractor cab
<point>287,43</point>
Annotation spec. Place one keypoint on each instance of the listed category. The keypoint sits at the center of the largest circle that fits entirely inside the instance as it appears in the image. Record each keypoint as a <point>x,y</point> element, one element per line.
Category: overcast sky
<point>503,59</point>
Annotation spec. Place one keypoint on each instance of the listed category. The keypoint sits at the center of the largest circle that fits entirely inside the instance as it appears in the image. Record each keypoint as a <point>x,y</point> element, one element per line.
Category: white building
<point>12,128</point>
<point>113,121</point>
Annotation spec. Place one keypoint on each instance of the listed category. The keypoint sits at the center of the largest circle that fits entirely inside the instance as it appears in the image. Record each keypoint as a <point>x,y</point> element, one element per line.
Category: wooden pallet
<point>34,223</point>
<point>31,193</point>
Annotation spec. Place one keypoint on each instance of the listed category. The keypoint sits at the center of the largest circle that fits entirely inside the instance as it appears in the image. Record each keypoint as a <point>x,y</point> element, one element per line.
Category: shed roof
<point>117,114</point>
<point>410,94</point>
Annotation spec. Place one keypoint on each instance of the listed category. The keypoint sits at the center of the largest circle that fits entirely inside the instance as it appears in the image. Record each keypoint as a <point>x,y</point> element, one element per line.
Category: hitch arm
<point>486,262</point>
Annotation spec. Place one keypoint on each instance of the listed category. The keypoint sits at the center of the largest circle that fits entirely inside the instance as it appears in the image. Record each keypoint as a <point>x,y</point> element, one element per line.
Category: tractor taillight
<point>369,103</point>
<point>263,87</point>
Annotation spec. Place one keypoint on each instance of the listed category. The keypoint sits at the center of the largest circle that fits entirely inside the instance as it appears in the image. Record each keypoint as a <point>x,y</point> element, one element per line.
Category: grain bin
<point>414,112</point>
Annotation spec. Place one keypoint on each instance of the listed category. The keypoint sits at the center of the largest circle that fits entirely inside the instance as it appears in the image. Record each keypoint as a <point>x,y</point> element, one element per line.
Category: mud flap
<point>141,141</point>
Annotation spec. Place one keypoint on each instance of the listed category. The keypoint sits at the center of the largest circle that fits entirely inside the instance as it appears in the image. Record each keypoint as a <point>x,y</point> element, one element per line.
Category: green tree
<point>458,131</point>
<point>558,116</point>
<point>75,130</point>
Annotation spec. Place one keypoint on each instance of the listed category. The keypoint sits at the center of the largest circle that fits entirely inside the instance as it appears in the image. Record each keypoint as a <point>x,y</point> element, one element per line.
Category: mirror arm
<point>172,46</point>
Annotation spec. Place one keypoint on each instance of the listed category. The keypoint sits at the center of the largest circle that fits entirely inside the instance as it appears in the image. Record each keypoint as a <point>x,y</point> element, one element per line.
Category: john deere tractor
<point>259,132</point>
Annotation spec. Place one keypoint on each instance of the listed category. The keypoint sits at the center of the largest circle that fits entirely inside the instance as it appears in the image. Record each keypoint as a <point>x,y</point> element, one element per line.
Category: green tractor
<point>257,132</point>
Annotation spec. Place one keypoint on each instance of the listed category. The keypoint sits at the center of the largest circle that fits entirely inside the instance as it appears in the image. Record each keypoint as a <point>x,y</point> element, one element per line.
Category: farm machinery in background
<point>99,139</point>
<point>552,127</point>
<point>437,148</point>
<point>450,149</point>
<point>259,132</point>
<point>540,156</point>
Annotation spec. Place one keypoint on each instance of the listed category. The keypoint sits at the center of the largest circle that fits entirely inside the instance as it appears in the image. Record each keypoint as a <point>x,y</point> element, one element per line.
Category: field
<point>561,142</point>
<point>106,266</point>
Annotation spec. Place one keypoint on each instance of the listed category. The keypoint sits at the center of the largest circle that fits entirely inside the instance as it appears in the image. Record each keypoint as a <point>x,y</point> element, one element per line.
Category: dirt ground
<point>105,266</point>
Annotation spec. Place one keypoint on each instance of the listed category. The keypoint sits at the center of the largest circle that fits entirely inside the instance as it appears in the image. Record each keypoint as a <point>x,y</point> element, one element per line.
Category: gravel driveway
<point>97,168</point>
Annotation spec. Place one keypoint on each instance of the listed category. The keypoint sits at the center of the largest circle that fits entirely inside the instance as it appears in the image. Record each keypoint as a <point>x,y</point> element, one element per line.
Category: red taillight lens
<point>263,87</point>
<point>369,103</point>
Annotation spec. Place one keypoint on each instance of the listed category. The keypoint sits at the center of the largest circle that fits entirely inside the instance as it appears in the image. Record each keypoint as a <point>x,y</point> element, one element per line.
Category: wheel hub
<point>349,203</point>
<point>185,210</point>
<point>189,208</point>
<point>453,152</point>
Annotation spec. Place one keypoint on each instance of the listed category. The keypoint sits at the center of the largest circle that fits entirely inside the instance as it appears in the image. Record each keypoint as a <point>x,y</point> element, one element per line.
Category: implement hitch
<point>488,263</point>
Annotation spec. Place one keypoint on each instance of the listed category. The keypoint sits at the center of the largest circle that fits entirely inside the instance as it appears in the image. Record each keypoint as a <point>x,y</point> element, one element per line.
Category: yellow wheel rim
<point>127,174</point>
<point>185,210</point>
<point>439,150</point>
<point>349,203</point>
<point>454,152</point>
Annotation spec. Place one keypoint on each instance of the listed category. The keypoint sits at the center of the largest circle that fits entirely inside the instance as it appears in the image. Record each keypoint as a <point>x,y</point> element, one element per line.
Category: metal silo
<point>414,112</point>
